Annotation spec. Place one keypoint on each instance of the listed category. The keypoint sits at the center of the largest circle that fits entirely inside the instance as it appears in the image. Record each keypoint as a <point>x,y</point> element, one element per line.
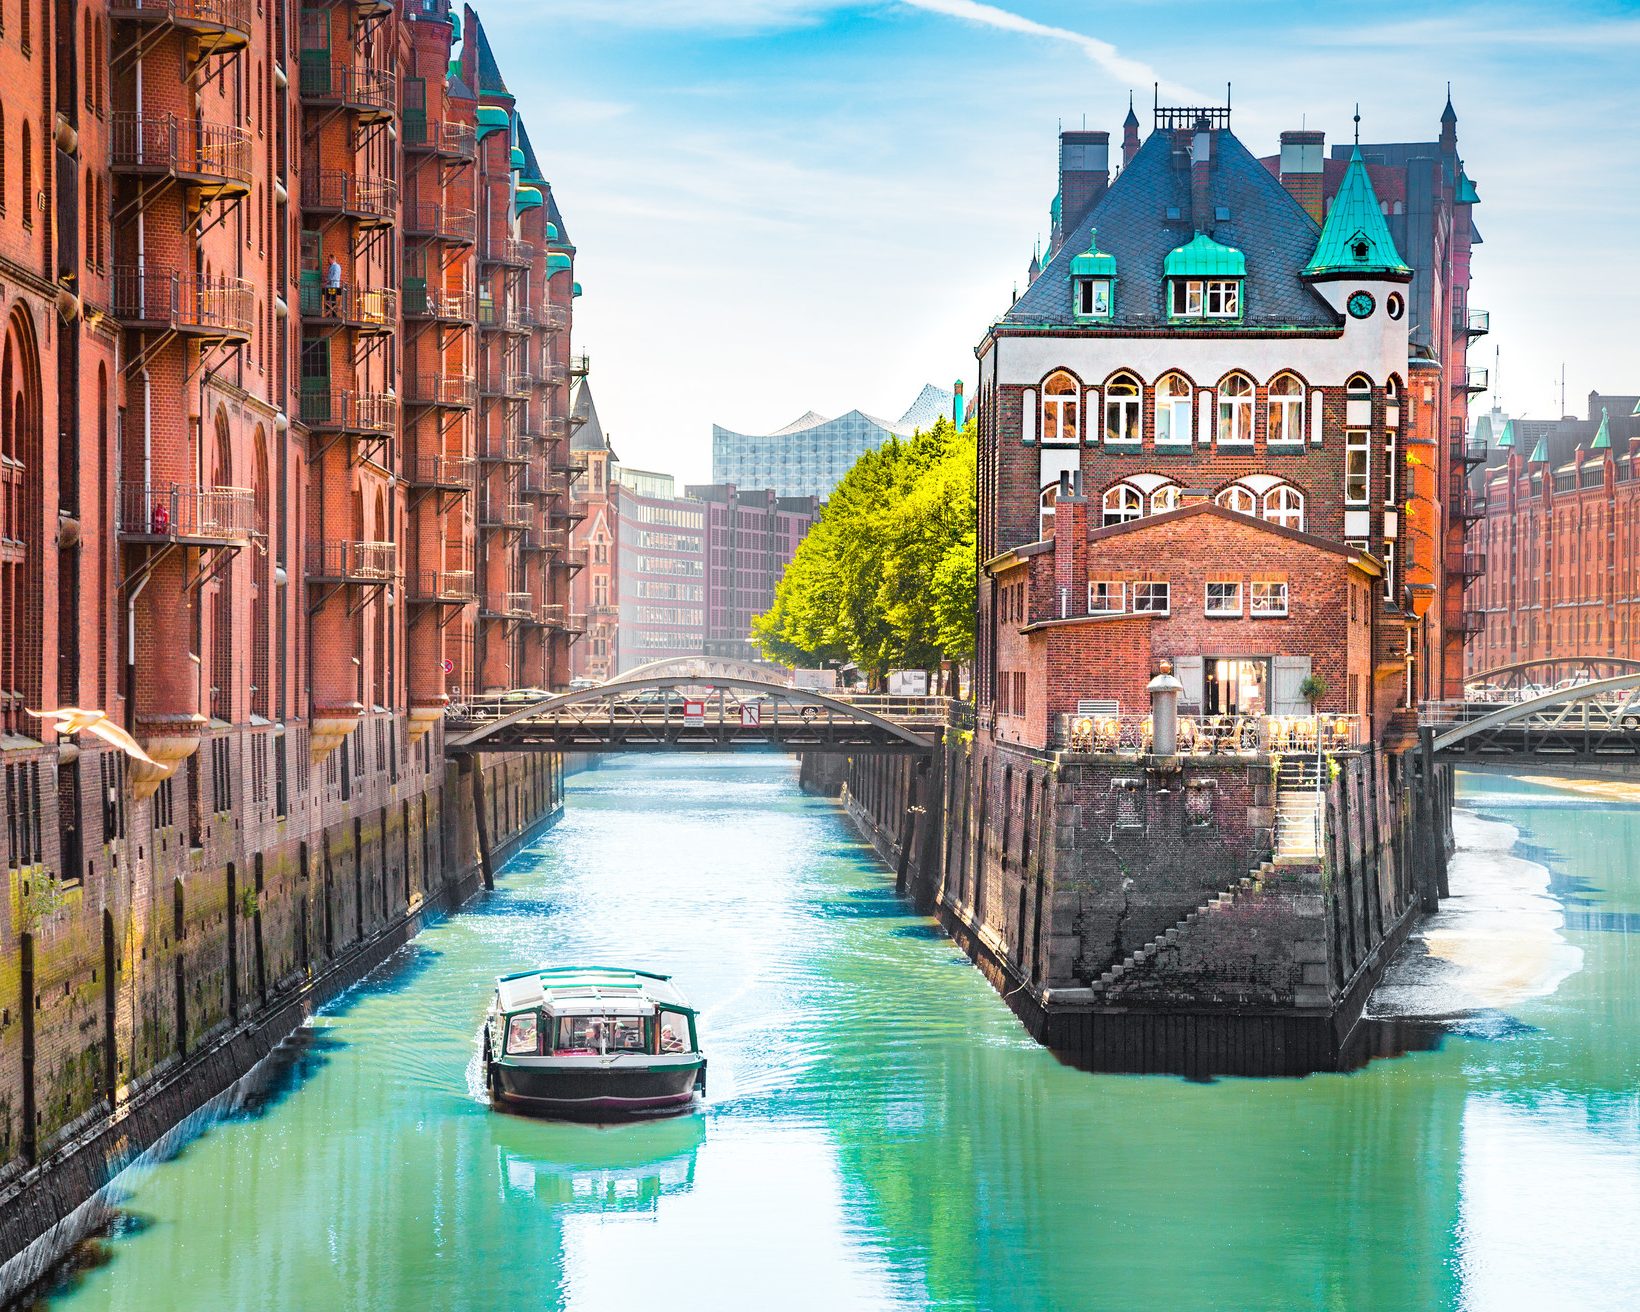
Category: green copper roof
<point>556,263</point>
<point>454,71</point>
<point>515,158</point>
<point>1095,263</point>
<point>1202,257</point>
<point>1467,195</point>
<point>1483,430</point>
<point>528,198</point>
<point>552,232</point>
<point>575,289</point>
<point>1540,454</point>
<point>1636,410</point>
<point>1057,209</point>
<point>1506,440</point>
<point>492,118</point>
<point>455,25</point>
<point>1603,436</point>
<point>1355,238</point>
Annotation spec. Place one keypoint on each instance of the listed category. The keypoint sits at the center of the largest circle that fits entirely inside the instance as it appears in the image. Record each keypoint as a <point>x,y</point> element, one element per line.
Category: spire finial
<point>1358,123</point>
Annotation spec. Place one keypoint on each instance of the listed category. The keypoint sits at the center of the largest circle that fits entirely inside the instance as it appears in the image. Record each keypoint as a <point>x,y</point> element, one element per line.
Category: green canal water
<point>880,1131</point>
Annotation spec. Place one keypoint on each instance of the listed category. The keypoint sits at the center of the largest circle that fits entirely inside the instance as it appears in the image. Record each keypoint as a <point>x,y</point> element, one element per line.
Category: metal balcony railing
<point>554,373</point>
<point>339,191</point>
<point>1468,504</point>
<point>557,486</point>
<point>448,472</point>
<point>1469,450</point>
<point>577,622</point>
<point>579,365</point>
<point>519,603</point>
<point>178,512</point>
<point>555,427</point>
<point>453,224</point>
<point>369,309</point>
<point>352,562</point>
<point>502,316</point>
<point>552,615</point>
<point>1471,622</point>
<point>1470,565</point>
<point>442,306</point>
<point>1198,735</point>
<point>505,448</point>
<point>554,318</point>
<point>343,411</point>
<point>370,92</point>
<point>211,155</point>
<point>184,303</point>
<point>450,390</point>
<point>228,20</point>
<point>496,512</point>
<point>1474,380</point>
<point>508,250</point>
<point>574,559</point>
<point>438,136</point>
<point>449,587</point>
<point>1475,323</point>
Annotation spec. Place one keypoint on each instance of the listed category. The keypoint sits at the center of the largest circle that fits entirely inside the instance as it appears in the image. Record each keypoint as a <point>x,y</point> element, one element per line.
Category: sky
<point>784,205</point>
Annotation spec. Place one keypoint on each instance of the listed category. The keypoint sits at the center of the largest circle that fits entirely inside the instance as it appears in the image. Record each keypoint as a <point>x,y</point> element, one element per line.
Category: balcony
<point>572,465</point>
<point>519,604</point>
<point>212,158</point>
<point>1474,323</point>
<point>555,428</point>
<point>495,511</point>
<point>1468,505</point>
<point>577,623</point>
<point>554,318</point>
<point>441,473</point>
<point>505,383</point>
<point>184,303</point>
<point>554,373</point>
<point>436,304</point>
<point>368,414</point>
<point>552,615</point>
<point>1470,565</point>
<point>352,562</point>
<point>509,251</point>
<point>454,225</point>
<point>579,365</point>
<point>505,449</point>
<point>1471,622</point>
<point>370,93</point>
<point>447,391</point>
<point>366,309</point>
<point>498,318</point>
<point>442,587</point>
<point>373,203</point>
<point>455,141</point>
<point>1469,451</point>
<point>1473,380</point>
<point>177,512</point>
<point>574,560</point>
<point>226,22</point>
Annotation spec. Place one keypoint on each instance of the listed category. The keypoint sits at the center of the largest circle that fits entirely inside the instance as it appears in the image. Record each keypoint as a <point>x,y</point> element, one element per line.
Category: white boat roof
<point>583,989</point>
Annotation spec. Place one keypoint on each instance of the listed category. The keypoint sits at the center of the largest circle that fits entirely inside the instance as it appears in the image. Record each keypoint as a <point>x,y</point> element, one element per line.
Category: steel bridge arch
<point>1525,710</point>
<point>1573,664</point>
<point>727,667</point>
<point>626,686</point>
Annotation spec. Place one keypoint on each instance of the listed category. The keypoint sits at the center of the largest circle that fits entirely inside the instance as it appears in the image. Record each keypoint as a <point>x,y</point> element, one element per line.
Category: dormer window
<point>1206,298</point>
<point>1093,283</point>
<point>1204,280</point>
<point>1093,298</point>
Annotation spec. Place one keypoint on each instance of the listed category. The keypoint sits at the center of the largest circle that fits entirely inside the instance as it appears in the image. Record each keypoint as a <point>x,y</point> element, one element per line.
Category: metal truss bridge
<point>694,712</point>
<point>1594,720</point>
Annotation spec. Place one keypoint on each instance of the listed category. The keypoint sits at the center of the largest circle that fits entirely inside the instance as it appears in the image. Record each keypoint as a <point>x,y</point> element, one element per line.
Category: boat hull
<point>604,1091</point>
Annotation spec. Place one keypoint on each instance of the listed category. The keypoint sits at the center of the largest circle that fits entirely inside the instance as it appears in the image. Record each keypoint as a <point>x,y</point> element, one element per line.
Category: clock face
<point>1361,304</point>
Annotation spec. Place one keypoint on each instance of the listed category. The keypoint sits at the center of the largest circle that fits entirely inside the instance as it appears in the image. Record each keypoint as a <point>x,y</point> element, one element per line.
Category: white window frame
<point>1120,598</point>
<point>1129,410</point>
<point>1187,293</point>
<point>1163,499</point>
<point>1235,413</point>
<point>1357,481</point>
<point>1059,405</point>
<point>1227,293</point>
<point>1088,298</point>
<point>1391,454</point>
<point>1389,571</point>
<point>1121,492</point>
<point>1146,590</point>
<point>1047,505</point>
<point>1270,608</point>
<point>1238,491</point>
<point>1225,609</point>
<point>1278,508</point>
<point>1177,409</point>
<point>1284,417</point>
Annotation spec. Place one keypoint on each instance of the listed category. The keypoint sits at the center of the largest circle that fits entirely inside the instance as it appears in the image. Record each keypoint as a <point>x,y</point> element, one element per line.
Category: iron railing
<point>164,143</point>
<point>1468,504</point>
<point>1469,450</point>
<point>188,303</point>
<point>342,410</point>
<point>1211,735</point>
<point>227,16</point>
<point>365,90</point>
<point>1471,564</point>
<point>352,562</point>
<point>439,136</point>
<point>337,191</point>
<point>497,512</point>
<point>439,389</point>
<point>424,302</point>
<point>450,586</point>
<point>504,448</point>
<point>429,218</point>
<point>180,511</point>
<point>372,309</point>
<point>1474,380</point>
<point>508,250</point>
<point>441,471</point>
<point>579,365</point>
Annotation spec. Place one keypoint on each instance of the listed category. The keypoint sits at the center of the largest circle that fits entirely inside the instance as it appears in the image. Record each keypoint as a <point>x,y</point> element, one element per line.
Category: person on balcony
<point>333,288</point>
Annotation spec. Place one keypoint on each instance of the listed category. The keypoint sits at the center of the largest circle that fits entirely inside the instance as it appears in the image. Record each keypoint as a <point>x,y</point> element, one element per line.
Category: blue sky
<point>786,204</point>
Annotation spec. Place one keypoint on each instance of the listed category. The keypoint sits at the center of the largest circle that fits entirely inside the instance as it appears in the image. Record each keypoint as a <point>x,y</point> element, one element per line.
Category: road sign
<point>447,665</point>
<point>694,712</point>
<point>751,715</point>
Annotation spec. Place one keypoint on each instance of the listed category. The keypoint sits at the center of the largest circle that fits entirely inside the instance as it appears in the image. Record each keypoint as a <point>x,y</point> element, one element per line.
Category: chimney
<point>1201,163</point>
<point>1070,542</point>
<point>1084,173</point>
<point>1302,169</point>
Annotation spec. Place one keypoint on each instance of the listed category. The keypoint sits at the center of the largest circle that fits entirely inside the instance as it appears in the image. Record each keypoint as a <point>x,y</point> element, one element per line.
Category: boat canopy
<point>588,990</point>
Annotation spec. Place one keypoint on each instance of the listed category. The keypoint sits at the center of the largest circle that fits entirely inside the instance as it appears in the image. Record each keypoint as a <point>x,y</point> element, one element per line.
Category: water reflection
<point>882,1133</point>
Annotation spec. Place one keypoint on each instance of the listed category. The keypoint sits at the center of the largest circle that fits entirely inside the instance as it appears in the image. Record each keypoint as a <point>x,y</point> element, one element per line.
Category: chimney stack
<point>1302,168</point>
<point>1084,174</point>
<point>1201,163</point>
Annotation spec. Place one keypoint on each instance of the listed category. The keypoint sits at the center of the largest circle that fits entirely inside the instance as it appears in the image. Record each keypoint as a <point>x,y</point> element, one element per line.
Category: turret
<point>1130,134</point>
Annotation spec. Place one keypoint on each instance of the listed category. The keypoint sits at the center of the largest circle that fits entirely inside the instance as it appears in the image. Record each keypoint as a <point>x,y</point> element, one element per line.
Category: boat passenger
<point>670,1042</point>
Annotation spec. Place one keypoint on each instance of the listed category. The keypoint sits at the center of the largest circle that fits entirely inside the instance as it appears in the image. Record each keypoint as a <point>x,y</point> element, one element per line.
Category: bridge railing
<point>1212,735</point>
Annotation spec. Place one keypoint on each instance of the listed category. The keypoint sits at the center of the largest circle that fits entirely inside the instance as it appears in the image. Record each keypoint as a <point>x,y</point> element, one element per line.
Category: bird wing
<point>108,731</point>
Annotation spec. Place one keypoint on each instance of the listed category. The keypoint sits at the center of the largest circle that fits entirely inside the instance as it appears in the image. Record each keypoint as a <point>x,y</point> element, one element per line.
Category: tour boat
<point>595,1041</point>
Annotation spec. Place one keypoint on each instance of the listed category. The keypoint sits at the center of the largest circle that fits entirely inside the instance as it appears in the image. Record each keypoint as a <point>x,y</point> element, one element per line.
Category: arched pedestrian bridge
<point>695,712</point>
<point>1594,720</point>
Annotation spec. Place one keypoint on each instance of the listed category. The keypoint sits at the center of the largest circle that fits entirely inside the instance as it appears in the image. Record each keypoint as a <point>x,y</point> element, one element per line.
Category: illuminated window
<point>1236,411</point>
<point>1174,398</point>
<point>1122,503</point>
<point>1284,505</point>
<point>1059,409</point>
<point>1122,410</point>
<point>1286,411</point>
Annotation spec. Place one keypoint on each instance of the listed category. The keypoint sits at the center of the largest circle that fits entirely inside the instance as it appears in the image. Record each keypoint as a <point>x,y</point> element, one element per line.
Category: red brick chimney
<point>1303,169</point>
<point>1070,545</point>
<point>1084,174</point>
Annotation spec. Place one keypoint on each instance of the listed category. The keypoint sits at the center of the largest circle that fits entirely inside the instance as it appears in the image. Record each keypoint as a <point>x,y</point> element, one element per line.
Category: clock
<point>1361,304</point>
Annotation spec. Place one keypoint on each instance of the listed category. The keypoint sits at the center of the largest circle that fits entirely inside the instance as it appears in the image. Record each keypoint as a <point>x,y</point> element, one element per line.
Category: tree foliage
<point>887,577</point>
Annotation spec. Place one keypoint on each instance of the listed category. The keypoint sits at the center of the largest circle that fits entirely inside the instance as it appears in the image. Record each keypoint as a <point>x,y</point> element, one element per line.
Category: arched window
<point>1239,499</point>
<point>1060,397</point>
<point>1164,498</point>
<point>1122,408</point>
<point>1236,411</point>
<point>1286,411</point>
<point>90,203</point>
<point>1359,388</point>
<point>1174,403</point>
<point>2,159</point>
<point>262,593</point>
<point>88,76</point>
<point>1122,503</point>
<point>1284,505</point>
<point>22,543</point>
<point>1050,497</point>
<point>28,171</point>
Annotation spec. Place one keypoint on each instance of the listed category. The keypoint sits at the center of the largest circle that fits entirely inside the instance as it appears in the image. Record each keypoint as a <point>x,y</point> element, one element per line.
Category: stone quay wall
<point>198,940</point>
<point>1129,907</point>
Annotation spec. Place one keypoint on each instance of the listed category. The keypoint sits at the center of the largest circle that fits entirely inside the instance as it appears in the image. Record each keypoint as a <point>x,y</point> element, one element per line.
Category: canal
<point>882,1134</point>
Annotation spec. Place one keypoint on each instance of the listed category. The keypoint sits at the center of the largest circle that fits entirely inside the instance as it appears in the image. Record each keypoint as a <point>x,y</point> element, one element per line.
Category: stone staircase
<point>1253,883</point>
<point>1297,831</point>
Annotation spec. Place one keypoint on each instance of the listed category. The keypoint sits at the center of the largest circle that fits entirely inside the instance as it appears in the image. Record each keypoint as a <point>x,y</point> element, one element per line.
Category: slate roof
<point>460,90</point>
<point>532,166</point>
<point>557,220</point>
<point>1556,441</point>
<point>590,435</point>
<point>489,72</point>
<point>1266,224</point>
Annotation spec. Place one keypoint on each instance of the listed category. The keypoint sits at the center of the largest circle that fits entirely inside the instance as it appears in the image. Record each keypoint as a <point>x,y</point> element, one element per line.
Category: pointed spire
<point>1355,238</point>
<point>1506,439</point>
<point>1132,119</point>
<point>1483,430</point>
<point>1603,435</point>
<point>1130,134</point>
<point>1540,453</point>
<point>1449,115</point>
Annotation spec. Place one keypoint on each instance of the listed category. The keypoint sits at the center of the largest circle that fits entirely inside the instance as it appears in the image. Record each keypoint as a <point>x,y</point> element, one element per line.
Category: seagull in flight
<point>75,719</point>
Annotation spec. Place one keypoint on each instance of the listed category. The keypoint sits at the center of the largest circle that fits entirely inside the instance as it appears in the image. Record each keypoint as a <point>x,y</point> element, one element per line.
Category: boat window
<point>674,1032</point>
<point>521,1035</point>
<point>584,1035</point>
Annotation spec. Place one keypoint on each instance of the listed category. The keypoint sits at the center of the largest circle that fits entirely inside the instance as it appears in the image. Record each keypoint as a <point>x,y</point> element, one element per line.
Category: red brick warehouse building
<point>284,466</point>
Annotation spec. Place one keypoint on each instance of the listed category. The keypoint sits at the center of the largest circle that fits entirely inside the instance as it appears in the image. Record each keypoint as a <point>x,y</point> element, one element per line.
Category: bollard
<point>1164,692</point>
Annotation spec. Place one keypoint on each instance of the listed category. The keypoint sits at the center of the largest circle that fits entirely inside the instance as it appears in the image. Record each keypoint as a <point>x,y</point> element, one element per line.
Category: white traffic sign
<point>751,714</point>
